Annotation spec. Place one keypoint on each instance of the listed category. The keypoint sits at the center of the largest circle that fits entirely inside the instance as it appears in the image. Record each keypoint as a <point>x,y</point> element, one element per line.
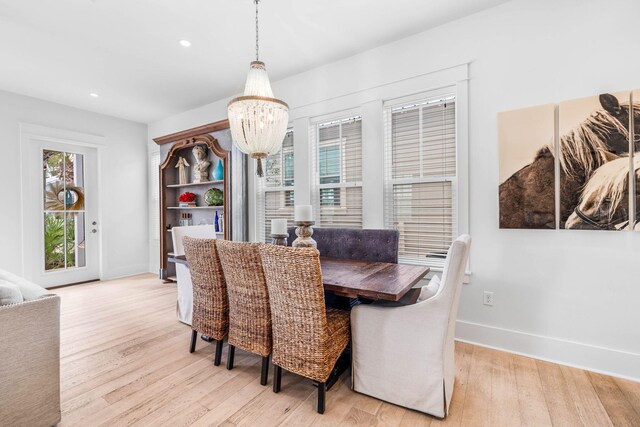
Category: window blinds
<point>420,178</point>
<point>275,190</point>
<point>338,173</point>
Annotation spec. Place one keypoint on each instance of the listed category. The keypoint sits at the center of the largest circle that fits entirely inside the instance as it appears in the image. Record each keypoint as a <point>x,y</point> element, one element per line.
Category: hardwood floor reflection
<point>125,360</point>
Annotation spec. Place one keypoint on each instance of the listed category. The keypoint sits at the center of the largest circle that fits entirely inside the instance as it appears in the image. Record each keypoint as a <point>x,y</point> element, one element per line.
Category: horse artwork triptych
<point>568,165</point>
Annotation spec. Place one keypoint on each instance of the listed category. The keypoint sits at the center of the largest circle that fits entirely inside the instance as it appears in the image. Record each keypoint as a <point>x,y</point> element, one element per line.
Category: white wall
<point>568,296</point>
<point>123,182</point>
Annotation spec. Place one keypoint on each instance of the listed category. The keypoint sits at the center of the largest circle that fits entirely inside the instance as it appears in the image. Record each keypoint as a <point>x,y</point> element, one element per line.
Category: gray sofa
<point>30,358</point>
<point>355,244</point>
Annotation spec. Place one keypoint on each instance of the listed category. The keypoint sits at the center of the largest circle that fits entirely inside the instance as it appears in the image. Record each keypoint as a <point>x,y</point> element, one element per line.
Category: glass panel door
<point>63,210</point>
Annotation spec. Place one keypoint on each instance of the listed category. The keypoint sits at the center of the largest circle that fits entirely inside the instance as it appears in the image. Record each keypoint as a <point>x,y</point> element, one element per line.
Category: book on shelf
<point>187,204</point>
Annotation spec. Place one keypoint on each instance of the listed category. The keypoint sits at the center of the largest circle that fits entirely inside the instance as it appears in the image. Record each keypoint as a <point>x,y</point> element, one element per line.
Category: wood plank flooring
<point>125,361</point>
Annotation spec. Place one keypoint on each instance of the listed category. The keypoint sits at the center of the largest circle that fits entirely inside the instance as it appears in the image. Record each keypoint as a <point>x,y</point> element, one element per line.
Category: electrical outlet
<point>488,298</point>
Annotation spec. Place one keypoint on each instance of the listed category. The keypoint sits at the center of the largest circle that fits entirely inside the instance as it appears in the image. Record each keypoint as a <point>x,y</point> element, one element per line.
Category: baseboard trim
<point>589,357</point>
<point>121,272</point>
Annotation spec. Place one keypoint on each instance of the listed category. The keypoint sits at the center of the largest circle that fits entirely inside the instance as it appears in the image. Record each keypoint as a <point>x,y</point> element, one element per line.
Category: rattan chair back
<point>300,330</point>
<point>210,306</point>
<point>249,311</point>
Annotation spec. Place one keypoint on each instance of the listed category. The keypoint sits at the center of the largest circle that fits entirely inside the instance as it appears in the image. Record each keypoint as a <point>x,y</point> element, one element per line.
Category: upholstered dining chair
<point>308,338</point>
<point>184,306</point>
<point>405,355</point>
<point>249,311</point>
<point>210,306</point>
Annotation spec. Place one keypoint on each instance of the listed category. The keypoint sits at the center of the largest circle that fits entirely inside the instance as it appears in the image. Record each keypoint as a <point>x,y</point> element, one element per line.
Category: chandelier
<point>258,121</point>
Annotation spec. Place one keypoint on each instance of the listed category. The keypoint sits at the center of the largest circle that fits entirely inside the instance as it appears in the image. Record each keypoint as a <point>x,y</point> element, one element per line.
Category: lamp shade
<point>258,121</point>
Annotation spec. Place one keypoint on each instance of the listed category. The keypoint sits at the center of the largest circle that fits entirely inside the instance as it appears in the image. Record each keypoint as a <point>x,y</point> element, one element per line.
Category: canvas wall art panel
<point>594,162</point>
<point>635,97</point>
<point>527,168</point>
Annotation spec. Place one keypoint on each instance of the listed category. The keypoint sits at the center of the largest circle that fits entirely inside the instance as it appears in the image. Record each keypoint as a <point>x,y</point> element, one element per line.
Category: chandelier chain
<point>257,39</point>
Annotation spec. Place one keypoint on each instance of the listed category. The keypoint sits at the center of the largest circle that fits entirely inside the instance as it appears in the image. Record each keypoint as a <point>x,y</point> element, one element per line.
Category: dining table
<point>382,281</point>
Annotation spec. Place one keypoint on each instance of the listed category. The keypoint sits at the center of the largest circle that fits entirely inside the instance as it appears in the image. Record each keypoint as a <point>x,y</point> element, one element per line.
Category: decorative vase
<point>218,172</point>
<point>214,197</point>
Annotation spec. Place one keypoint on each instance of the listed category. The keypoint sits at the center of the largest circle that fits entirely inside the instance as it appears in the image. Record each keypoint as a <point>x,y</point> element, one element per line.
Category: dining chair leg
<point>264,375</point>
<point>218,356</point>
<point>230,355</point>
<point>322,389</point>
<point>194,337</point>
<point>277,378</point>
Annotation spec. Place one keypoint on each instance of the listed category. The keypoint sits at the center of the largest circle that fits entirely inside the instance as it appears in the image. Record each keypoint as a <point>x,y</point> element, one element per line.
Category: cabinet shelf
<point>195,184</point>
<point>195,207</point>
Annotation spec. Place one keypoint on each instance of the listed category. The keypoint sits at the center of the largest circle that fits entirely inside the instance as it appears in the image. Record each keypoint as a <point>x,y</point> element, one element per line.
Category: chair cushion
<point>9,293</point>
<point>430,290</point>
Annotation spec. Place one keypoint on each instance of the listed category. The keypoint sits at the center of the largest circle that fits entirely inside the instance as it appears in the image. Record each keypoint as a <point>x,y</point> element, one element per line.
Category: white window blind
<point>154,207</point>
<point>337,159</point>
<point>420,178</point>
<point>275,190</point>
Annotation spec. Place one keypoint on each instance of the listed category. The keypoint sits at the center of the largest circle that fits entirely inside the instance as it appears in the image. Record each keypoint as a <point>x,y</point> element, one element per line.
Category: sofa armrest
<point>30,362</point>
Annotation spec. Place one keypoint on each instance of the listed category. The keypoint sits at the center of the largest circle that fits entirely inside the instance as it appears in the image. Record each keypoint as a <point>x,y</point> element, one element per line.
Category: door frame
<point>32,133</point>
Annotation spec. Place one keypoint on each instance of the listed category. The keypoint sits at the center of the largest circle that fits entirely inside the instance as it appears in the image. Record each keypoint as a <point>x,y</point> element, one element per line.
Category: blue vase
<point>218,172</point>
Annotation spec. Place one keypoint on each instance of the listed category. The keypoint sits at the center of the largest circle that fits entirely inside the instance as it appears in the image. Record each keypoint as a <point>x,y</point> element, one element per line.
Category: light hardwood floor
<point>125,361</point>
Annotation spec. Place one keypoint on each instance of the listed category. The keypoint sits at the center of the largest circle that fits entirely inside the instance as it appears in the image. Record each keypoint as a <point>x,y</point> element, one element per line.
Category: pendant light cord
<point>257,39</point>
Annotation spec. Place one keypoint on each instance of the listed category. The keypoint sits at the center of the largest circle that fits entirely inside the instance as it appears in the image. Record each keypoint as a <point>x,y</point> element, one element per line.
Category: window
<point>338,151</point>
<point>275,190</point>
<point>420,178</point>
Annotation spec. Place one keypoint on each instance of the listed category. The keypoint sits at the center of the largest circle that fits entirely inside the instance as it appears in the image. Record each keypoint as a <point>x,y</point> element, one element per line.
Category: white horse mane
<point>586,146</point>
<point>609,181</point>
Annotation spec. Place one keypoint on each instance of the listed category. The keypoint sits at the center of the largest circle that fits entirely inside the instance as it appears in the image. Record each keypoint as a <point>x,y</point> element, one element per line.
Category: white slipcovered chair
<point>184,308</point>
<point>405,355</point>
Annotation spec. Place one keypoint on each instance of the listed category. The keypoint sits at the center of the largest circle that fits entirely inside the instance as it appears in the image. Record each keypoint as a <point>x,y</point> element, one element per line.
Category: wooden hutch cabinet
<point>181,145</point>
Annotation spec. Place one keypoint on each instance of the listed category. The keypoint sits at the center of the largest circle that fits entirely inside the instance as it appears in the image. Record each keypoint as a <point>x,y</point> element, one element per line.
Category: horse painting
<point>527,197</point>
<point>604,200</point>
<point>600,138</point>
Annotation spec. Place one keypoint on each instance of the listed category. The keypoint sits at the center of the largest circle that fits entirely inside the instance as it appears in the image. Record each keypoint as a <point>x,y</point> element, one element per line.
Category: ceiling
<point>127,51</point>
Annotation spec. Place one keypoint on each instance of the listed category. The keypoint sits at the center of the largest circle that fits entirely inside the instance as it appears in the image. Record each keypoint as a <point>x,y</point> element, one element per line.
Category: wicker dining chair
<point>210,306</point>
<point>308,338</point>
<point>249,312</point>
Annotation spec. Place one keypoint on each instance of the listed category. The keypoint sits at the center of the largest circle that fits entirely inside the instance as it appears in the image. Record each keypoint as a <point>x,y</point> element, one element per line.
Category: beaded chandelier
<point>258,121</point>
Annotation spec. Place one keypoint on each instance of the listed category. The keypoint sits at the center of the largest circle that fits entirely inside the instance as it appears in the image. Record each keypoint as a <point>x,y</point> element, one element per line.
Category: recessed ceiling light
<point>94,95</point>
<point>185,43</point>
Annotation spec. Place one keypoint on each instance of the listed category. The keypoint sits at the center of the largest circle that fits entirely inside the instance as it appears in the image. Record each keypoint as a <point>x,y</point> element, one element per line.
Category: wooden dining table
<point>363,279</point>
